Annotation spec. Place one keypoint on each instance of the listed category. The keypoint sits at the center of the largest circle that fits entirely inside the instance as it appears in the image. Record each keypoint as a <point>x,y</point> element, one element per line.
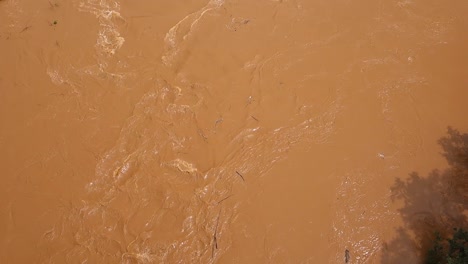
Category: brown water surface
<point>219,131</point>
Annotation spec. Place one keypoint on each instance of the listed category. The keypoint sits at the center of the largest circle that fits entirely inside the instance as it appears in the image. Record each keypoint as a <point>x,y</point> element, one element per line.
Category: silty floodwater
<point>223,131</point>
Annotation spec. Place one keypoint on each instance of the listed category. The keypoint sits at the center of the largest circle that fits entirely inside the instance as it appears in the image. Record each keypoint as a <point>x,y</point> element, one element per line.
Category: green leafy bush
<point>450,251</point>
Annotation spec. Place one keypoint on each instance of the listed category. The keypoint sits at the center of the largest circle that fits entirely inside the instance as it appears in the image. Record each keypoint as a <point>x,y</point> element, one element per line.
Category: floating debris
<point>218,121</point>
<point>249,100</point>
<point>238,173</point>
<point>347,256</point>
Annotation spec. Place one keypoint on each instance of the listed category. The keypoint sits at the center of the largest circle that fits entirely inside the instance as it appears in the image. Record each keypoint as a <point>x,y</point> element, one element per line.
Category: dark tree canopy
<point>434,210</point>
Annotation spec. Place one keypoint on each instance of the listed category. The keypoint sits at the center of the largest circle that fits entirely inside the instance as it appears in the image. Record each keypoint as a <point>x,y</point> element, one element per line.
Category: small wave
<point>109,39</point>
<point>182,30</point>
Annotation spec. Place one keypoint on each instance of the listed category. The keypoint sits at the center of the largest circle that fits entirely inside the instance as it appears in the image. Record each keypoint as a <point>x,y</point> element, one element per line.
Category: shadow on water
<point>433,203</point>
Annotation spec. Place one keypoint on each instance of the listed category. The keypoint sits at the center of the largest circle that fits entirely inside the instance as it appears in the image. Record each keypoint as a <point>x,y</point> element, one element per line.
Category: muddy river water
<point>229,131</point>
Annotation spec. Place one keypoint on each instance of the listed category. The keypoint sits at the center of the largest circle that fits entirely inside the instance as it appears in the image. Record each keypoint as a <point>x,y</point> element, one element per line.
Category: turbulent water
<point>269,131</point>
